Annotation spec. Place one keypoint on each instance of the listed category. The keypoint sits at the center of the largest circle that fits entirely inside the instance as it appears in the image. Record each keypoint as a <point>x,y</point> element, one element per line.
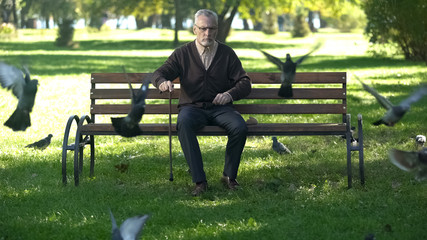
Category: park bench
<point>317,94</point>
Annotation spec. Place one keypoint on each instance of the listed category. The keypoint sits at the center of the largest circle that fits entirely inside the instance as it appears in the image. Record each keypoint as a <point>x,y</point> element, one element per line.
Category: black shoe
<point>199,189</point>
<point>231,184</point>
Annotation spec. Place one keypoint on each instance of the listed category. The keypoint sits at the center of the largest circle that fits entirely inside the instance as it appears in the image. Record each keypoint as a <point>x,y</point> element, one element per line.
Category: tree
<point>66,14</point>
<point>178,21</point>
<point>401,22</point>
<point>270,23</point>
<point>25,9</point>
<point>225,18</point>
<point>301,28</point>
<point>8,8</point>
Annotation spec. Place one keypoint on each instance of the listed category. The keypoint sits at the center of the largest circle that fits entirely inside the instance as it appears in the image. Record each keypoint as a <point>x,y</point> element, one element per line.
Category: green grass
<point>299,196</point>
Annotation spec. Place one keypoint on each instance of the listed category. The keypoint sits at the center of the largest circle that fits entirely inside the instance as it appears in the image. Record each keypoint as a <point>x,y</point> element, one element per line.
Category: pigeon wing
<point>132,94</point>
<point>132,227</point>
<point>115,232</point>
<point>138,106</point>
<point>404,160</point>
<point>381,99</point>
<point>142,95</point>
<point>299,61</point>
<point>415,97</point>
<point>274,60</point>
<point>315,48</point>
<point>12,78</point>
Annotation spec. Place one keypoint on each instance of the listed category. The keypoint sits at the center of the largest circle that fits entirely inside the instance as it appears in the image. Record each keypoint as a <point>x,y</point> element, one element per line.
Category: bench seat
<point>260,129</point>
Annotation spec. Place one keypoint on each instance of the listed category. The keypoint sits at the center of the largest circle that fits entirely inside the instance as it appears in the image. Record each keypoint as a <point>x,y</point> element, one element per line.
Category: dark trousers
<point>191,119</point>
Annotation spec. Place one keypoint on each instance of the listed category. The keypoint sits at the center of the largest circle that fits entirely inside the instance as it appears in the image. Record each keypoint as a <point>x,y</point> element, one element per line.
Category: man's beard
<point>207,42</point>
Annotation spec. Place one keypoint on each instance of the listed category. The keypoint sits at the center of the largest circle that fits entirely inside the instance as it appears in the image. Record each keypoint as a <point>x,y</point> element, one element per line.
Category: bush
<point>352,18</point>
<point>301,28</point>
<point>103,28</point>
<point>401,22</point>
<point>384,50</point>
<point>7,28</point>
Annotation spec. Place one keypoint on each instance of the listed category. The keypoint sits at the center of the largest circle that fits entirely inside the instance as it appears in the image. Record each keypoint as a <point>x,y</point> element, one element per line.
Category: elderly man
<point>211,78</point>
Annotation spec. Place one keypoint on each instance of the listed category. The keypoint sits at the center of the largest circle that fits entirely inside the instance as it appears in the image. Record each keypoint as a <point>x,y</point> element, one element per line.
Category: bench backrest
<point>314,93</point>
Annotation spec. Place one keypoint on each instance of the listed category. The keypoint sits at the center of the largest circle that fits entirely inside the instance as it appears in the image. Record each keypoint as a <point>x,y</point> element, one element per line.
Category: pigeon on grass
<point>279,147</point>
<point>41,144</point>
<point>128,126</point>
<point>353,141</point>
<point>394,112</point>
<point>415,162</point>
<point>288,70</point>
<point>131,228</point>
<point>24,90</point>
<point>122,167</point>
<point>420,141</point>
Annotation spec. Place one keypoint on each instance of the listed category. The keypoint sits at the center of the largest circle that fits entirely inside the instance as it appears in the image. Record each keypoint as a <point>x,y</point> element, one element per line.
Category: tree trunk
<point>5,12</point>
<point>65,33</point>
<point>245,24</point>
<point>140,23</point>
<point>224,25</point>
<point>166,21</point>
<point>46,20</point>
<point>310,21</point>
<point>24,12</point>
<point>15,17</point>
<point>178,22</point>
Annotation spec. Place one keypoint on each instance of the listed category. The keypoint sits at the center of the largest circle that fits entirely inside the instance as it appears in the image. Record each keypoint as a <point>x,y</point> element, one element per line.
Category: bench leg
<point>80,144</point>
<point>92,155</point>
<point>78,151</point>
<point>348,143</point>
<point>349,173</point>
<point>361,160</point>
<point>66,147</point>
<point>81,148</point>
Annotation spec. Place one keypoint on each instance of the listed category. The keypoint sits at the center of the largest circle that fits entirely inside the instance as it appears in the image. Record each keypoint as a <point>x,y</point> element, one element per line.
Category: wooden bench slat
<point>257,93</point>
<point>300,77</point>
<point>268,78</point>
<point>242,108</point>
<point>291,108</point>
<point>253,130</point>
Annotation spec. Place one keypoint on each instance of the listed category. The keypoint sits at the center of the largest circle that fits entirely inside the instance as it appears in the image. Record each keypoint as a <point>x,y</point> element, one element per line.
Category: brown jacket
<point>198,85</point>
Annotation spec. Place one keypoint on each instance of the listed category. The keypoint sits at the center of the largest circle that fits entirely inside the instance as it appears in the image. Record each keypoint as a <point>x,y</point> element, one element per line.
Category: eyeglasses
<point>204,29</point>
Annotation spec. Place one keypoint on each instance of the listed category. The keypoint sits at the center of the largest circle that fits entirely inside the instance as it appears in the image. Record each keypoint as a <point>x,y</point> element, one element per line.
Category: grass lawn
<point>299,196</point>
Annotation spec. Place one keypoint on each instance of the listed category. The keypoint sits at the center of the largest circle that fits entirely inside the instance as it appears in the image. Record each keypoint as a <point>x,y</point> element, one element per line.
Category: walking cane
<point>170,137</point>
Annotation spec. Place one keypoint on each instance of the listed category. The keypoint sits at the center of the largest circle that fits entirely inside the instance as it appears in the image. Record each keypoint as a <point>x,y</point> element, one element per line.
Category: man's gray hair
<point>207,13</point>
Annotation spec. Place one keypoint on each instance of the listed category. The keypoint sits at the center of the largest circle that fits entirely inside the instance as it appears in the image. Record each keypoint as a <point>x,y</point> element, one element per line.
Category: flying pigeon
<point>128,126</point>
<point>24,89</point>
<point>130,229</point>
<point>279,147</point>
<point>415,162</point>
<point>394,112</point>
<point>288,69</point>
<point>41,144</point>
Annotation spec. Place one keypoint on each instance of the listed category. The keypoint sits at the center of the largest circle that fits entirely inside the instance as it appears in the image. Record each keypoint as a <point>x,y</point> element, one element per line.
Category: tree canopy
<point>401,22</point>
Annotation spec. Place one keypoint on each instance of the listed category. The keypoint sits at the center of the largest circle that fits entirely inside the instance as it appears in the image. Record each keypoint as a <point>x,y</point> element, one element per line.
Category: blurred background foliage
<point>385,22</point>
